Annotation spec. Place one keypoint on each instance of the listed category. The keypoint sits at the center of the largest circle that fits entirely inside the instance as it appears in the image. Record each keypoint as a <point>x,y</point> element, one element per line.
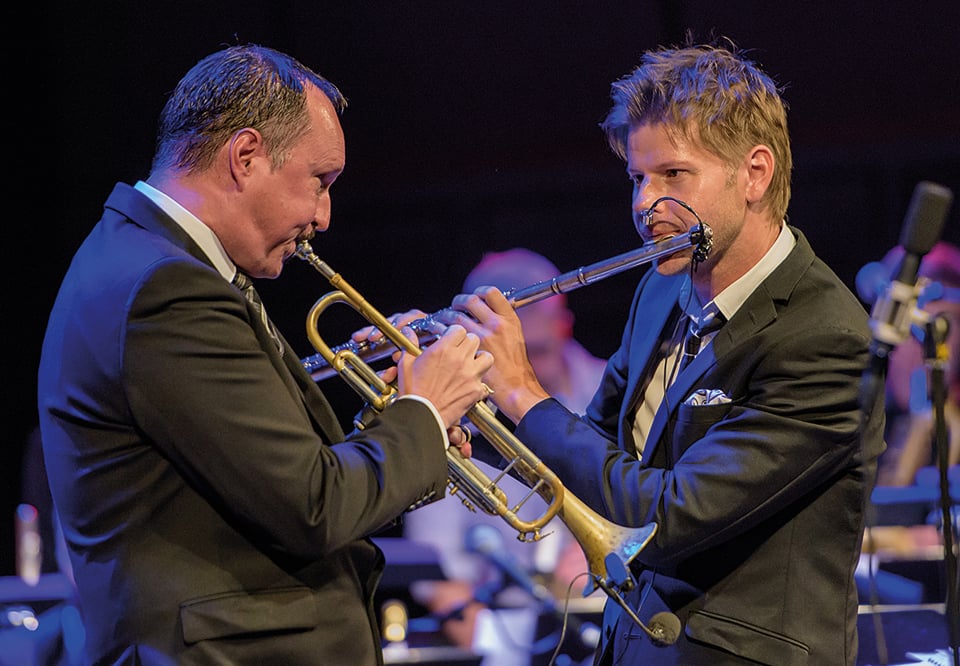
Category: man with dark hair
<point>214,511</point>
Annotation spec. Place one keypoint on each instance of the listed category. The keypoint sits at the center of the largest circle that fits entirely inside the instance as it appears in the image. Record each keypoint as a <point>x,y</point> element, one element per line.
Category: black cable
<point>935,354</point>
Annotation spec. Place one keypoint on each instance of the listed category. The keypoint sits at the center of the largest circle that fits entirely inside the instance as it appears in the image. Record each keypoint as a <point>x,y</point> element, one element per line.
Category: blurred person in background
<point>571,374</point>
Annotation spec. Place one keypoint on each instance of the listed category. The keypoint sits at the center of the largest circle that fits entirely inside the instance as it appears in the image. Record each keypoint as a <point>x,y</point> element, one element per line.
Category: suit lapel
<point>676,394</point>
<point>313,399</point>
<point>757,312</point>
<point>139,209</point>
<point>645,342</point>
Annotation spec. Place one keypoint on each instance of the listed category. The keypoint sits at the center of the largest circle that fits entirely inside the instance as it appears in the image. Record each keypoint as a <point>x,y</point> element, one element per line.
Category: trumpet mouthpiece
<point>304,250</point>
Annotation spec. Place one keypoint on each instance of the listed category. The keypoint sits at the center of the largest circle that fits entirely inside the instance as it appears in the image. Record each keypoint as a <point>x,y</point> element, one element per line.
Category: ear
<point>245,145</point>
<point>759,165</point>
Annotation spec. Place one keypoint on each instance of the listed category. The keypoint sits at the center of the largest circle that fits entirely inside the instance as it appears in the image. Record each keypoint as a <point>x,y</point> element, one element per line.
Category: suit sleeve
<point>207,396</point>
<point>793,425</point>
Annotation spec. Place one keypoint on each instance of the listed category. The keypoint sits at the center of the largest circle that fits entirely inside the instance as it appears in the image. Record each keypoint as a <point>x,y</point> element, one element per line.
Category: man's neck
<point>735,262</point>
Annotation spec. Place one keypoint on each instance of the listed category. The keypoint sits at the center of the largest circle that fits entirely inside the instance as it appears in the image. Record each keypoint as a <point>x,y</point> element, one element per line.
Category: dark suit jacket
<point>215,513</point>
<point>759,501</point>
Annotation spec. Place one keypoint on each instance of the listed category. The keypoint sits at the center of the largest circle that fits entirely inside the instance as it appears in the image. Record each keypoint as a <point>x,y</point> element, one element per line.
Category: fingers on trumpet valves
<point>452,316</point>
<point>459,436</point>
<point>484,360</point>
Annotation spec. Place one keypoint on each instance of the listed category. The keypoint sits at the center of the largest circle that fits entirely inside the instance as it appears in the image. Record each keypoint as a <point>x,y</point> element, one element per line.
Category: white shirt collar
<point>195,228</point>
<point>730,299</point>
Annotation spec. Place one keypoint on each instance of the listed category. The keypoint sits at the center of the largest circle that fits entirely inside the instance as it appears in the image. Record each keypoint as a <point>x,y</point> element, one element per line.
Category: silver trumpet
<point>430,327</point>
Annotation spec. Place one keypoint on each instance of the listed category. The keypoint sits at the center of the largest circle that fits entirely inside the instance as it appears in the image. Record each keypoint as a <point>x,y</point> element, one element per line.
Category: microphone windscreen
<point>871,281</point>
<point>925,217</point>
<point>483,539</point>
<point>665,627</point>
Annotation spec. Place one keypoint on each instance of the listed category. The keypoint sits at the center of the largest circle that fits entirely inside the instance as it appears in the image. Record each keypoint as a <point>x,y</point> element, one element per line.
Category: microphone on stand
<point>485,540</point>
<point>896,301</point>
<point>894,314</point>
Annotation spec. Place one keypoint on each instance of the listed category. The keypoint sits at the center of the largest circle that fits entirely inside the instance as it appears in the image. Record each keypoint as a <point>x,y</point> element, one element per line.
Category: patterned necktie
<point>695,334</point>
<point>245,284</point>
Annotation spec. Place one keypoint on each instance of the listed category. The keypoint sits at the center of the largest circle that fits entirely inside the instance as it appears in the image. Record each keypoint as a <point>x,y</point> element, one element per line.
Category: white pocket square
<point>707,397</point>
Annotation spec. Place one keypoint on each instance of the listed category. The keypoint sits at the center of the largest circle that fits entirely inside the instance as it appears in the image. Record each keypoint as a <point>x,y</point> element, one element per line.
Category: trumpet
<point>609,548</point>
<point>430,327</point>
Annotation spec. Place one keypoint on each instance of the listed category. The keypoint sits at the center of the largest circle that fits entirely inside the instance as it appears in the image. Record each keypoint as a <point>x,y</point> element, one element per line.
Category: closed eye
<point>326,181</point>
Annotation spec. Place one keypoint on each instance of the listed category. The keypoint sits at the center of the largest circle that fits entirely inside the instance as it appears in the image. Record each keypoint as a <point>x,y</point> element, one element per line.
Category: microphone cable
<point>565,614</point>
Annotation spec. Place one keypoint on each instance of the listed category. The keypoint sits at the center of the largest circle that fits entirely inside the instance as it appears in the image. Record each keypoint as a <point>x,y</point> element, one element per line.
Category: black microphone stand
<point>935,358</point>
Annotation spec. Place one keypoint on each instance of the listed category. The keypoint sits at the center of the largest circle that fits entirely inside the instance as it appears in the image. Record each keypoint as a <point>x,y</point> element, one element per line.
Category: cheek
<point>725,217</point>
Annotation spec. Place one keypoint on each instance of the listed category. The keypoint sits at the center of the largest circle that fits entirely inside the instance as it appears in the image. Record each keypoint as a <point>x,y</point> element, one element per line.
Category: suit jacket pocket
<point>746,640</point>
<point>291,609</point>
<point>693,421</point>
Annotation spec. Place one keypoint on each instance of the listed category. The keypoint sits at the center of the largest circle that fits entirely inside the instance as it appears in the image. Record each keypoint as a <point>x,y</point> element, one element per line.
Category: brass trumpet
<point>429,327</point>
<point>608,547</point>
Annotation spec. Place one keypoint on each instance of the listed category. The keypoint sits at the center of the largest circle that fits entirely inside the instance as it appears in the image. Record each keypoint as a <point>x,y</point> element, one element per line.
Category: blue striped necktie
<point>696,333</point>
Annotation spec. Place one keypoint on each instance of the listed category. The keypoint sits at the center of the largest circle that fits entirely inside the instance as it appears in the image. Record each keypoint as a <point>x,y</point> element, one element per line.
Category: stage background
<point>471,127</point>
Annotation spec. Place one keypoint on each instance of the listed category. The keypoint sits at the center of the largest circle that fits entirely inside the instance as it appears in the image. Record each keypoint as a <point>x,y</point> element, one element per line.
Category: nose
<point>321,218</point>
<point>643,198</point>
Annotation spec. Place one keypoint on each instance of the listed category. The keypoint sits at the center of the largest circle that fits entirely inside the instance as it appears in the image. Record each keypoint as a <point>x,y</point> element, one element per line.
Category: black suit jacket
<point>758,501</point>
<point>214,510</point>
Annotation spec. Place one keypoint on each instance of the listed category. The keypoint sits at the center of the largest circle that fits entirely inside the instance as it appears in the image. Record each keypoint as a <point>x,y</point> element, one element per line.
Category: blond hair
<point>710,94</point>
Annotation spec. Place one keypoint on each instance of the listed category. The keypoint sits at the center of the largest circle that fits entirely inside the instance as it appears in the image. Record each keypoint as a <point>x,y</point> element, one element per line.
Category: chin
<point>272,270</point>
<point>674,264</point>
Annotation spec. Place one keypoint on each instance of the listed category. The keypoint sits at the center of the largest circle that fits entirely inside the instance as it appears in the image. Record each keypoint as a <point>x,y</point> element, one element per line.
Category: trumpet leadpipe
<point>430,327</point>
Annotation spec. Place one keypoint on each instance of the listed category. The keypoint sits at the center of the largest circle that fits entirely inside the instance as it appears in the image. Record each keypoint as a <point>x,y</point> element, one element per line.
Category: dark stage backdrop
<point>472,126</point>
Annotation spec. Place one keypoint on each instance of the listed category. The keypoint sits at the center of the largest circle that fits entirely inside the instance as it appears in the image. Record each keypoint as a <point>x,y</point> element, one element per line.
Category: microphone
<point>664,627</point>
<point>486,540</point>
<point>890,319</point>
<point>891,316</point>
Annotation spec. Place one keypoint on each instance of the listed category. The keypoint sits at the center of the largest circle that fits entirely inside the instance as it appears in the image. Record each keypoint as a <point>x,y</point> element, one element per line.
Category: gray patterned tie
<point>245,284</point>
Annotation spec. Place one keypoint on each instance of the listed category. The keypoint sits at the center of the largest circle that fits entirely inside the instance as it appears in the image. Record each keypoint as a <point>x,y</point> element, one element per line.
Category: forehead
<point>658,144</point>
<point>657,138</point>
<point>325,129</point>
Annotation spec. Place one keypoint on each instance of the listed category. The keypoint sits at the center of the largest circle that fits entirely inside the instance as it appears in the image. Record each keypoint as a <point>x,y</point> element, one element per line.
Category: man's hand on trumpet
<point>448,372</point>
<point>489,315</point>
